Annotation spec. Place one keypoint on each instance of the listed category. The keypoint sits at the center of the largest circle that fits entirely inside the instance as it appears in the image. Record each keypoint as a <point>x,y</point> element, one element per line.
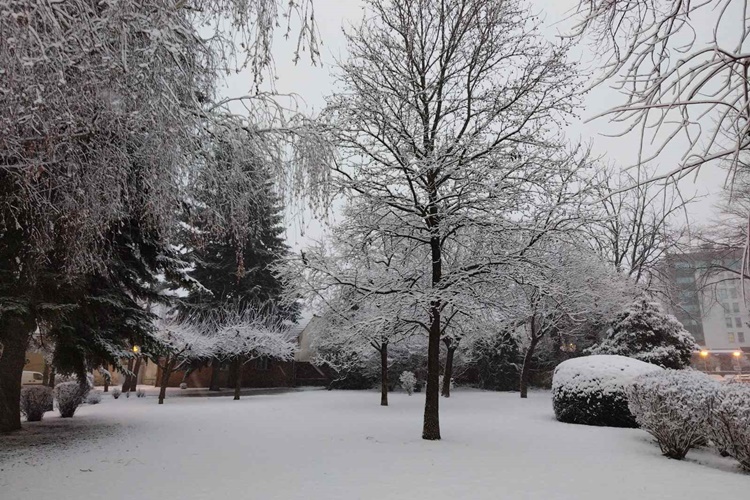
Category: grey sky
<point>313,83</point>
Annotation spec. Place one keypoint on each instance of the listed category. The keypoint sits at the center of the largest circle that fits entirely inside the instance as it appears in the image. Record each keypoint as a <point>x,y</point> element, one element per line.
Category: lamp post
<point>704,355</point>
<point>737,355</point>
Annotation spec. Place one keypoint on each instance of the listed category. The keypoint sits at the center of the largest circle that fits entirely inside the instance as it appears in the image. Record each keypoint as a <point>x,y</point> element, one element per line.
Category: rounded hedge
<point>591,390</point>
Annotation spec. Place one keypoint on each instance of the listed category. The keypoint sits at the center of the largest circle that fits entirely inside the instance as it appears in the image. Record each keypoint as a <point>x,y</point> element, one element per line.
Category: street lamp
<point>136,349</point>
<point>737,355</point>
<point>704,355</point>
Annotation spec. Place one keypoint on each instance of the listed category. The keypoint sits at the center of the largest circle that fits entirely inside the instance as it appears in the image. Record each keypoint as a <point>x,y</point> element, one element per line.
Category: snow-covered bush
<point>94,398</point>
<point>69,396</point>
<point>645,332</point>
<point>116,392</point>
<point>408,382</point>
<point>35,400</point>
<point>183,385</point>
<point>673,406</point>
<point>591,390</point>
<point>729,422</point>
<point>140,393</point>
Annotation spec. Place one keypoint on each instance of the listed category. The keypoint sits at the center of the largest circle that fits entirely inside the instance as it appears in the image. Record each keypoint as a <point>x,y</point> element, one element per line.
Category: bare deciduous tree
<point>447,143</point>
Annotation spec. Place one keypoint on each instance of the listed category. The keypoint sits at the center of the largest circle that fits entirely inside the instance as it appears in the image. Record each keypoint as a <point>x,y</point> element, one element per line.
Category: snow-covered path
<point>343,445</point>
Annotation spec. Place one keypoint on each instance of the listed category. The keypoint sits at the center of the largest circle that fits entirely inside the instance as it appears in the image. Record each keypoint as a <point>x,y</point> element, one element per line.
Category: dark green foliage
<point>608,409</point>
<point>497,359</point>
<point>237,268</point>
<point>646,333</point>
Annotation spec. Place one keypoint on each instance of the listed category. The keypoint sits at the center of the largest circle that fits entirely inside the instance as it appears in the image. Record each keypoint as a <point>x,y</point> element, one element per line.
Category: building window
<point>685,279</point>
<point>736,307</point>
<point>262,364</point>
<point>741,337</point>
<point>729,322</point>
<point>722,294</point>
<point>682,265</point>
<point>731,338</point>
<point>733,292</point>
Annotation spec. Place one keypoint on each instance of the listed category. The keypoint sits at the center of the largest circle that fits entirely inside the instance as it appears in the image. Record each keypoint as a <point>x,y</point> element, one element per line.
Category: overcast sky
<point>313,83</point>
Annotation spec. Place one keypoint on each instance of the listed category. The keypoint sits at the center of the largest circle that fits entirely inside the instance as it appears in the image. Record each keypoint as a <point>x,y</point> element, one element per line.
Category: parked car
<point>32,378</point>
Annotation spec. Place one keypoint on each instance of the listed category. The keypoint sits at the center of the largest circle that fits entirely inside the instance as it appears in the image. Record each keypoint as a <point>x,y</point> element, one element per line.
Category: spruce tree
<point>645,332</point>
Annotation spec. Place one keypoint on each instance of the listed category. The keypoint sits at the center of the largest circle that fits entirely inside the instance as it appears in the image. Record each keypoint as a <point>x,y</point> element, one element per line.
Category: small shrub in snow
<point>94,398</point>
<point>116,392</point>
<point>591,390</point>
<point>183,385</point>
<point>408,382</point>
<point>35,400</point>
<point>673,406</point>
<point>730,422</point>
<point>69,396</point>
<point>140,393</point>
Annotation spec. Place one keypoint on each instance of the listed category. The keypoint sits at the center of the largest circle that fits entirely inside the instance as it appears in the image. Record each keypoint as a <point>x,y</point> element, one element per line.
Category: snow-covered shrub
<point>140,393</point>
<point>116,392</point>
<point>94,398</point>
<point>408,382</point>
<point>645,332</point>
<point>69,396</point>
<point>183,385</point>
<point>673,406</point>
<point>591,390</point>
<point>35,400</point>
<point>729,422</point>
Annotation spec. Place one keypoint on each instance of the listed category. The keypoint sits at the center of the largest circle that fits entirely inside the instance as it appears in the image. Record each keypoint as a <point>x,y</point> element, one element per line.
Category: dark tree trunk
<point>448,372</point>
<point>134,378</point>
<point>215,368</point>
<point>526,369</point>
<point>106,384</point>
<point>383,374</point>
<point>126,382</point>
<point>14,336</point>
<point>52,376</point>
<point>431,428</point>
<point>237,378</point>
<point>45,374</point>
<point>166,372</point>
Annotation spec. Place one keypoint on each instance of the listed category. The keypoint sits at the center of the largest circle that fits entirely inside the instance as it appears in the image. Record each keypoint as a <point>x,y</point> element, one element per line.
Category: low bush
<point>116,392</point>
<point>69,396</point>
<point>673,406</point>
<point>35,400</point>
<point>94,398</point>
<point>590,390</point>
<point>729,422</point>
<point>140,393</point>
<point>408,382</point>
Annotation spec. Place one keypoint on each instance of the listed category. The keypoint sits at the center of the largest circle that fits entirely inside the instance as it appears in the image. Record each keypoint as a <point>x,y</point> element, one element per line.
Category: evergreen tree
<point>645,332</point>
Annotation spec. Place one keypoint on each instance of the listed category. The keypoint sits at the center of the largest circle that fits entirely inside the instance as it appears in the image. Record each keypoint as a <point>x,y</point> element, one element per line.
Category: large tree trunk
<point>448,372</point>
<point>431,428</point>
<point>166,372</point>
<point>237,378</point>
<point>215,368</point>
<point>526,369</point>
<point>14,336</point>
<point>384,374</point>
<point>134,378</point>
<point>126,382</point>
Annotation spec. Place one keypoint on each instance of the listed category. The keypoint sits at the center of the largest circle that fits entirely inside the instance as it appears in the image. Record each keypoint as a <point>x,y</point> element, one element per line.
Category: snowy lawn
<point>343,445</point>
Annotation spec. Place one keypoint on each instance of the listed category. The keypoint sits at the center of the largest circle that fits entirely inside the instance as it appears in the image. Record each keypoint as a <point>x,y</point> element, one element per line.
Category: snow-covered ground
<point>343,445</point>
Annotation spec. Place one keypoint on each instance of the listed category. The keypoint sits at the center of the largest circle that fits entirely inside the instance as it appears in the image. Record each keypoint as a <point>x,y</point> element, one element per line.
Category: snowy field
<point>343,445</point>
